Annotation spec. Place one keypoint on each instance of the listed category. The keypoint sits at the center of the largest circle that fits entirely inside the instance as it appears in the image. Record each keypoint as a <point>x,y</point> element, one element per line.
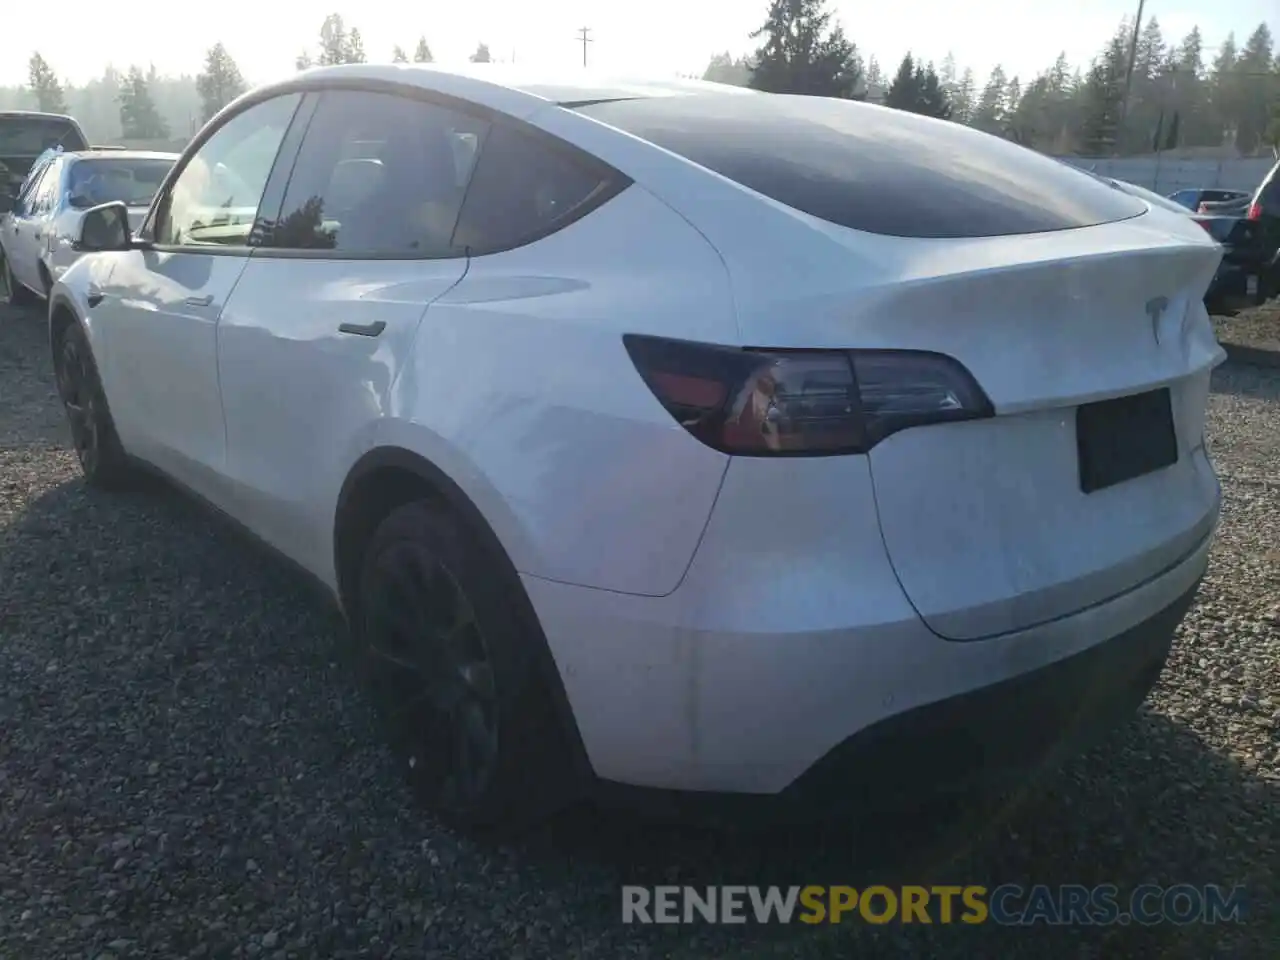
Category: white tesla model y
<point>671,436</point>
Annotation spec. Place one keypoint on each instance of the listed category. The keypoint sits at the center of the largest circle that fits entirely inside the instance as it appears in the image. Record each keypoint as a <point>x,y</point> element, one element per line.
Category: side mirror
<point>104,227</point>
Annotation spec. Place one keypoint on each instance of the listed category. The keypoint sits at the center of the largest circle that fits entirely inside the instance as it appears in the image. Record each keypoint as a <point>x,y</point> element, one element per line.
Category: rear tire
<point>451,663</point>
<point>19,296</point>
<point>93,432</point>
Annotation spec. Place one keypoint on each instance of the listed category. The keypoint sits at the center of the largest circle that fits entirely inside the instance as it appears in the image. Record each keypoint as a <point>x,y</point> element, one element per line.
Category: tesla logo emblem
<point>1156,307</point>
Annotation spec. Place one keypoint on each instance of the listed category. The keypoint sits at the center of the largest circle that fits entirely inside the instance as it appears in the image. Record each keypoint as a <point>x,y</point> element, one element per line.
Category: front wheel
<point>93,433</point>
<point>450,662</point>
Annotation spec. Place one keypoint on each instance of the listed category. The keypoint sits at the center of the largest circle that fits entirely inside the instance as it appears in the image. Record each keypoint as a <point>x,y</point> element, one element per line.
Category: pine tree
<point>482,54</point>
<point>934,100</point>
<point>875,77</point>
<point>962,105</point>
<point>1256,89</point>
<point>903,92</point>
<point>1103,99</point>
<point>355,47</point>
<point>398,55</point>
<point>422,53</point>
<point>1223,89</point>
<point>333,41</point>
<point>220,83</point>
<point>45,86</point>
<point>303,61</point>
<point>139,118</point>
<point>802,53</point>
<point>988,113</point>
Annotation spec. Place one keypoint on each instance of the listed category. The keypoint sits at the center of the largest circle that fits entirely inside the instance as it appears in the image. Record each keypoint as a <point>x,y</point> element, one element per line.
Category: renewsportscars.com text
<point>1008,904</point>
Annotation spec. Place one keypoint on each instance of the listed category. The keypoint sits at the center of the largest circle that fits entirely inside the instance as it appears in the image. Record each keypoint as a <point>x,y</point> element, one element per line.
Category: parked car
<point>25,135</point>
<point>1192,198</point>
<point>666,439</point>
<point>1228,208</point>
<point>36,236</point>
<point>1249,231</point>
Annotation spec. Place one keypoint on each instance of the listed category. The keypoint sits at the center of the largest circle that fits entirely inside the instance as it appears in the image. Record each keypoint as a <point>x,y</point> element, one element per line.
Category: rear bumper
<point>764,670</point>
<point>997,736</point>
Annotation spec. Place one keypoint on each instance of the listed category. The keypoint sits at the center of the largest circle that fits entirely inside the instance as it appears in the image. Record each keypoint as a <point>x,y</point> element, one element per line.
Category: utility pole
<point>1128,74</point>
<point>584,39</point>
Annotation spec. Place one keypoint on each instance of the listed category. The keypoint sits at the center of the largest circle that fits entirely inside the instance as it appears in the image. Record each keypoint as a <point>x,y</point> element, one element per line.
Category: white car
<point>37,234</point>
<point>671,437</point>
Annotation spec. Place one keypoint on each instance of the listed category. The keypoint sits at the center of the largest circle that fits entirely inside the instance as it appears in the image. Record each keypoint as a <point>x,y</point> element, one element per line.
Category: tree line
<point>1177,97</point>
<point>138,104</point>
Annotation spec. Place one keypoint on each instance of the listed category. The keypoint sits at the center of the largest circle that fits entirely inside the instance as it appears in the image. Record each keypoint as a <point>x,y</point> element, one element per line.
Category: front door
<point>161,304</point>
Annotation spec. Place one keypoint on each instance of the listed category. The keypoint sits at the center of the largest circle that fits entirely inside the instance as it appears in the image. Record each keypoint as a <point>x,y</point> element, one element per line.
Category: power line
<point>584,39</point>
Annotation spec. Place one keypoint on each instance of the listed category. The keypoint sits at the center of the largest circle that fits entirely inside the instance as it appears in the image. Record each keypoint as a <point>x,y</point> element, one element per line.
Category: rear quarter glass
<point>872,168</point>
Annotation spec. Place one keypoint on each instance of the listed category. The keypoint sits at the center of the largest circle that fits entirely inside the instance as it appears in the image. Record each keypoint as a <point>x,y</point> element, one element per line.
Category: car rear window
<point>30,136</point>
<point>872,168</point>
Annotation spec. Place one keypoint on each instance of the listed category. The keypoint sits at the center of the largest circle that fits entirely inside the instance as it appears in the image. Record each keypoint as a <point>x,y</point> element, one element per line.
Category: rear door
<point>321,322</point>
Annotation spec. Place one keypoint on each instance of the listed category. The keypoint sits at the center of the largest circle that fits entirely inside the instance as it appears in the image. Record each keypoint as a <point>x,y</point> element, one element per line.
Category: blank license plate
<point>1118,440</point>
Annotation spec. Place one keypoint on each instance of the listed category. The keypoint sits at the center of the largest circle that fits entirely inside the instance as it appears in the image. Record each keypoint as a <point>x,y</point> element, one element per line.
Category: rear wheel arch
<point>387,478</point>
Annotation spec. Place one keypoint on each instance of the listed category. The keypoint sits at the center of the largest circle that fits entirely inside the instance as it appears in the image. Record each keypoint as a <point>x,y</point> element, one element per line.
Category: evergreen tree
<point>303,61</point>
<point>875,77</point>
<point>398,55</point>
<point>1256,89</point>
<point>139,118</point>
<point>962,103</point>
<point>903,92</point>
<point>1103,100</point>
<point>803,53</point>
<point>219,83</point>
<point>333,41</point>
<point>44,84</point>
<point>988,112</point>
<point>1223,89</point>
<point>355,47</point>
<point>482,54</point>
<point>422,53</point>
<point>934,100</point>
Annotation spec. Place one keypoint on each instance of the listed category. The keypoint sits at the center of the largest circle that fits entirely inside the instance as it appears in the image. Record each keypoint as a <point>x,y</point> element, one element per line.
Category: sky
<point>651,36</point>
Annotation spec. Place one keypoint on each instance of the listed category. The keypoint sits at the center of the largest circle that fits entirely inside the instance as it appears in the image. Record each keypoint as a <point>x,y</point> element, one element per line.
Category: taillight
<point>1255,211</point>
<point>802,402</point>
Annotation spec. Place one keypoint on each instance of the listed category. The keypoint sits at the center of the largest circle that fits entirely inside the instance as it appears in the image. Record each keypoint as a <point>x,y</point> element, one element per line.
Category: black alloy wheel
<point>448,647</point>
<point>93,434</point>
<point>430,668</point>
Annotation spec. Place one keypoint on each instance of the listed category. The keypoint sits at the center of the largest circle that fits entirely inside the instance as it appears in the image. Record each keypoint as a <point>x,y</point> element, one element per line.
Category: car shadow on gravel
<point>174,702</point>
<point>1246,380</point>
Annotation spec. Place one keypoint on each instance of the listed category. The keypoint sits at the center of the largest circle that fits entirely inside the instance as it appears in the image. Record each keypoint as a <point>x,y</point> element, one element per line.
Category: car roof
<point>508,88</point>
<point>35,115</point>
<point>115,154</point>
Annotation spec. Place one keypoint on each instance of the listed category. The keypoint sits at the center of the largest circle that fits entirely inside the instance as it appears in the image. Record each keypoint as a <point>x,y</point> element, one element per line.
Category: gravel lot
<point>186,769</point>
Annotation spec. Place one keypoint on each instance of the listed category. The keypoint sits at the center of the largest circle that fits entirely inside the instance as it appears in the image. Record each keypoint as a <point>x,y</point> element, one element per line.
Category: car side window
<point>25,203</point>
<point>377,174</point>
<point>45,197</point>
<point>526,186</point>
<point>215,198</point>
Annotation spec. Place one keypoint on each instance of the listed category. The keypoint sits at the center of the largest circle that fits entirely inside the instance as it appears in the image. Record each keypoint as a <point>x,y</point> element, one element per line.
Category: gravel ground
<point>187,771</point>
<point>1255,327</point>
